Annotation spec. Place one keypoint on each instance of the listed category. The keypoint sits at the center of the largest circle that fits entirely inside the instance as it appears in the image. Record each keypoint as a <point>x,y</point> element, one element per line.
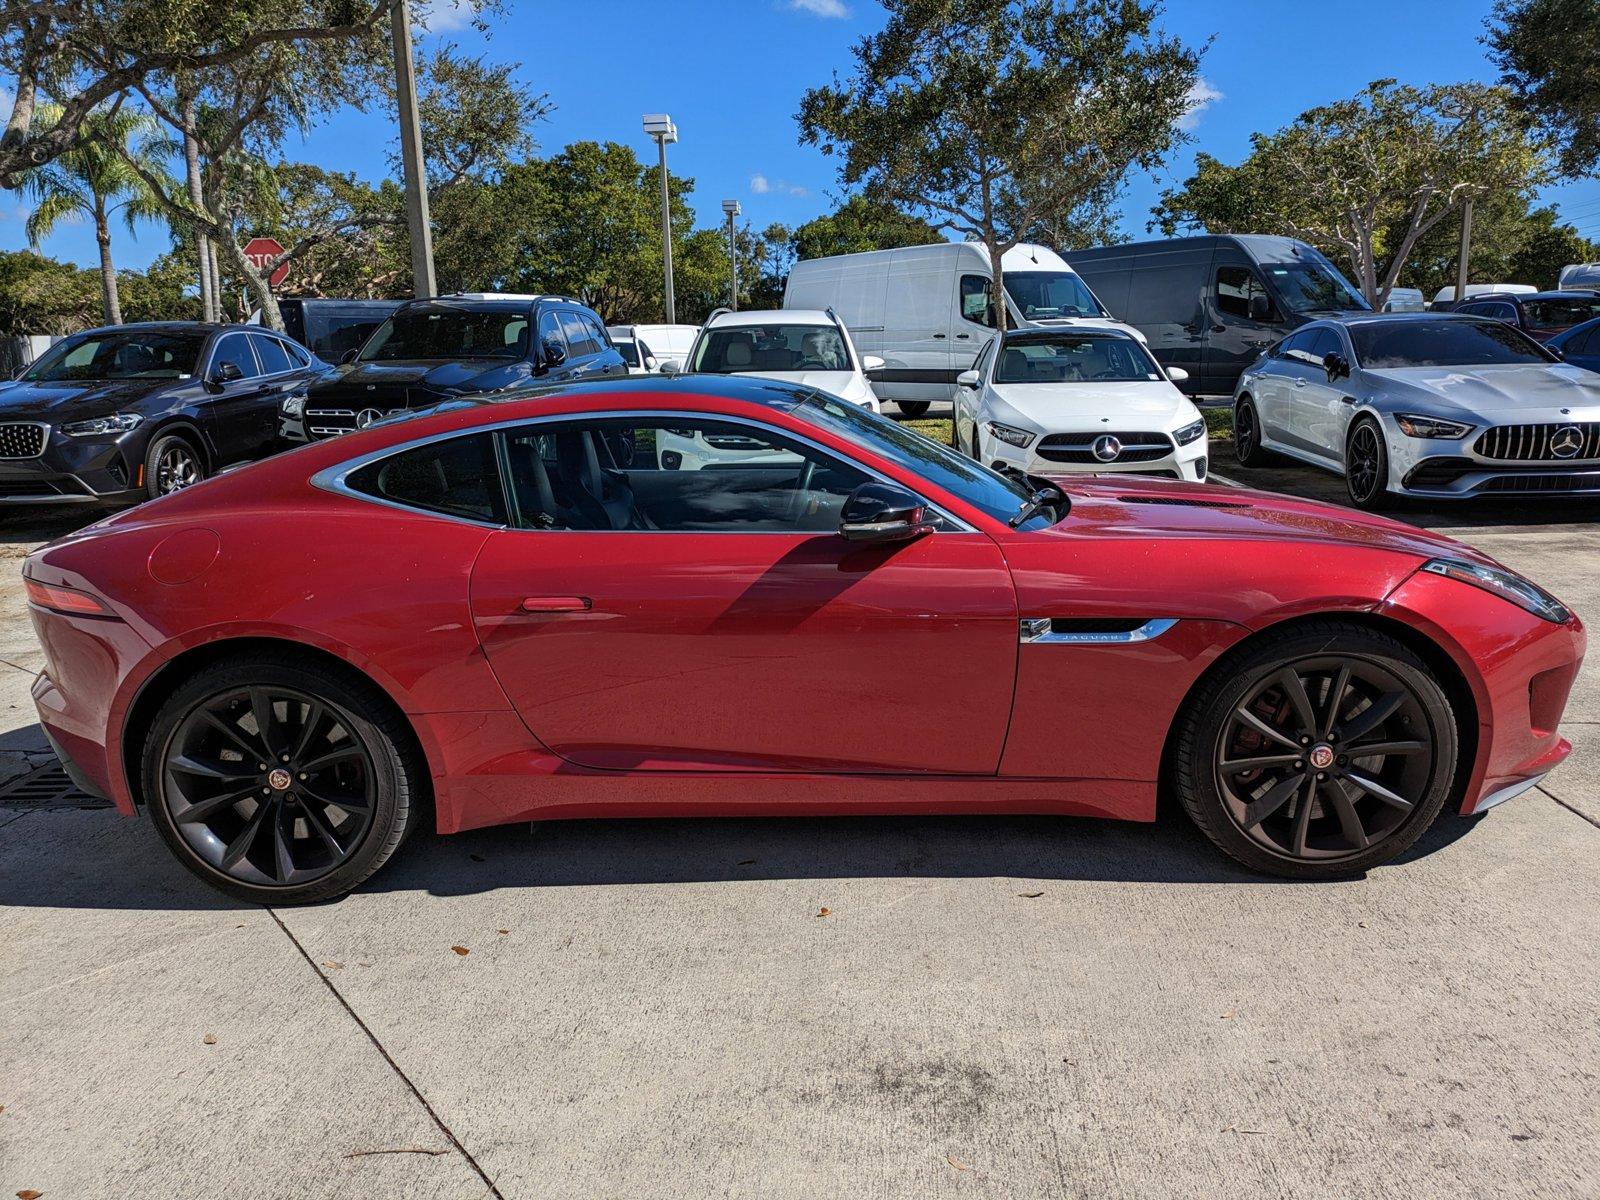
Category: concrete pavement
<point>991,1007</point>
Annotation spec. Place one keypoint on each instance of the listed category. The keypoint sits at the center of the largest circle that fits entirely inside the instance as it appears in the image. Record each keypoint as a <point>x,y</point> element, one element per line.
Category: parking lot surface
<point>1009,1007</point>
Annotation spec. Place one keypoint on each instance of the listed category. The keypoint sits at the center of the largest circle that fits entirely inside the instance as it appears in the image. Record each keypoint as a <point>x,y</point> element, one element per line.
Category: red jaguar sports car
<point>688,596</point>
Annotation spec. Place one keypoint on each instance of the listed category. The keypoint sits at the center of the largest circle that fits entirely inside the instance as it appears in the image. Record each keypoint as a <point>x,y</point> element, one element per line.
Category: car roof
<point>1368,318</point>
<point>1558,294</point>
<point>1090,331</point>
<point>169,327</point>
<point>771,316</point>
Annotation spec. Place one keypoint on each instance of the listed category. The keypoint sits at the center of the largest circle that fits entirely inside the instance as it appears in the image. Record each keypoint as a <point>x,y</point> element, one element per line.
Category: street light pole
<point>1466,249</point>
<point>660,127</point>
<point>416,175</point>
<point>731,207</point>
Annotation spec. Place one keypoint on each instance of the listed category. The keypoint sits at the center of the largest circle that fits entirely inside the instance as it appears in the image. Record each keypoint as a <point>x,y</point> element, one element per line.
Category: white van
<point>1405,300</point>
<point>645,347</point>
<point>1446,296</point>
<point>925,310</point>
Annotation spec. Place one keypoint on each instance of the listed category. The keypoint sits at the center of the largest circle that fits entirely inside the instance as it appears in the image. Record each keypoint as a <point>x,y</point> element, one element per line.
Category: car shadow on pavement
<point>99,860</point>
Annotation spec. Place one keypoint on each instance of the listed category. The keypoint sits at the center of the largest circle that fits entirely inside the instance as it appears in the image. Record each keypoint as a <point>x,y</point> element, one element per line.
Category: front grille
<point>21,439</point>
<point>1079,447</point>
<point>330,422</point>
<point>1571,481</point>
<point>1541,443</point>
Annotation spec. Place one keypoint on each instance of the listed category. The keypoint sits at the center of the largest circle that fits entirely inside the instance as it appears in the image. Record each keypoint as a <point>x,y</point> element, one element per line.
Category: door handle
<point>1219,329</point>
<point>1299,383</point>
<point>938,337</point>
<point>556,604</point>
<point>961,337</point>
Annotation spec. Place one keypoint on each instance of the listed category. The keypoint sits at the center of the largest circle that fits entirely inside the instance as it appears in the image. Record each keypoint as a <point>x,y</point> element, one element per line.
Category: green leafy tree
<point>992,117</point>
<point>96,180</point>
<point>1548,52</point>
<point>44,296</point>
<point>163,291</point>
<point>859,225</point>
<point>1367,178</point>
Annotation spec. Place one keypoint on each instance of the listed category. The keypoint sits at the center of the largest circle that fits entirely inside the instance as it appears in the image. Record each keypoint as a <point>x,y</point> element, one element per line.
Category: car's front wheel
<point>1317,752</point>
<point>171,464</point>
<point>913,408</point>
<point>278,781</point>
<point>1366,466</point>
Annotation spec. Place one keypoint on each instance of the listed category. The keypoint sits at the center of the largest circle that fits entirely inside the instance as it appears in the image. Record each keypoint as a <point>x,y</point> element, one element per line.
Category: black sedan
<point>129,412</point>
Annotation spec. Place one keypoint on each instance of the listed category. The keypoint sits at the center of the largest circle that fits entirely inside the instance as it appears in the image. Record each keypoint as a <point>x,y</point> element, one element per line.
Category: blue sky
<point>731,73</point>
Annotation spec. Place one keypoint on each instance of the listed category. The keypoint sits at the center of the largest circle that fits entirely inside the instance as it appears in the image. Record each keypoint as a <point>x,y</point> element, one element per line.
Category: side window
<point>1241,294</point>
<point>235,348</point>
<point>1472,309</point>
<point>274,358</point>
<point>695,475</point>
<point>1504,312</point>
<point>1296,345</point>
<point>981,363</point>
<point>297,354</point>
<point>1325,343</point>
<point>597,332</point>
<point>975,303</point>
<point>457,477</point>
<point>577,335</point>
<point>550,332</point>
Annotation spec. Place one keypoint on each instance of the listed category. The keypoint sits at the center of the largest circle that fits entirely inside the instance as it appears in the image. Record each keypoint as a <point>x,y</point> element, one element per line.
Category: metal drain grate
<point>47,787</point>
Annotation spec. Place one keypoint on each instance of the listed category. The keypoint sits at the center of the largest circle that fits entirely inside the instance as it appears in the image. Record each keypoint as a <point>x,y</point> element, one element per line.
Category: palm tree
<point>95,179</point>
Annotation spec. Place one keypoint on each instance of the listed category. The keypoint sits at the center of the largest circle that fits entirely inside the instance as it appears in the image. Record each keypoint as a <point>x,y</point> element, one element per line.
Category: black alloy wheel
<point>1366,466</point>
<point>1247,435</point>
<point>1323,753</point>
<point>281,784</point>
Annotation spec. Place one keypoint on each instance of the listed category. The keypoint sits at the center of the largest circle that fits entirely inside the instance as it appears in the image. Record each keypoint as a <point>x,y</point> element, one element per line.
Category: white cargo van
<point>926,311</point>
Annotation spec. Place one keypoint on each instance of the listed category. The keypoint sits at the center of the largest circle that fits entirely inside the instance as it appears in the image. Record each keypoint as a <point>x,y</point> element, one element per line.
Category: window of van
<point>1043,295</point>
<point>975,303</point>
<point>1237,289</point>
<point>1314,287</point>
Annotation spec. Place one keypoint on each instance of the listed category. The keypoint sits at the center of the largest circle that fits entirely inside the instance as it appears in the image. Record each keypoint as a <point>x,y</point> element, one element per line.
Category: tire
<point>1366,467</point>
<point>338,820</point>
<point>913,408</point>
<point>1283,818</point>
<point>976,449</point>
<point>1247,435</point>
<point>172,462</point>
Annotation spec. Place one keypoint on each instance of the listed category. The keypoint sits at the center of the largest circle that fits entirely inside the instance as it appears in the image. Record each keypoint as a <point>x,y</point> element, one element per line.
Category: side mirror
<point>872,363</point>
<point>967,379</point>
<point>225,373</point>
<point>350,355</point>
<point>554,352</point>
<point>671,367</point>
<point>1260,307</point>
<point>649,363</point>
<point>1177,374</point>
<point>883,512</point>
<point>1336,365</point>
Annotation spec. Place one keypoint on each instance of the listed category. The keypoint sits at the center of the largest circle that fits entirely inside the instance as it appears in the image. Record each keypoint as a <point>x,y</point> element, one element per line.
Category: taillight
<point>65,600</point>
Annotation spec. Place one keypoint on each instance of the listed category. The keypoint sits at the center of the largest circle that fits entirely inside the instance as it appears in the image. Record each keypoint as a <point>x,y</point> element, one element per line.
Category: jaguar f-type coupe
<point>513,609</point>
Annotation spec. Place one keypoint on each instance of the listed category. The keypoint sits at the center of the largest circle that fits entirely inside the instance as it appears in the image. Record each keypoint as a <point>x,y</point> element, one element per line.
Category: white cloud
<point>1202,95</point>
<point>444,16</point>
<point>820,8</point>
<point>761,186</point>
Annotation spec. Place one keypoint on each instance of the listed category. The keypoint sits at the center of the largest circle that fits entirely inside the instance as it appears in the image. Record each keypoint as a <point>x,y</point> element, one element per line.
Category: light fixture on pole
<point>731,207</point>
<point>660,127</point>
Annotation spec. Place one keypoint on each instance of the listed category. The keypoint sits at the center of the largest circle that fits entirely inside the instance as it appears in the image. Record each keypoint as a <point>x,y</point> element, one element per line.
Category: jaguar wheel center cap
<point>279,780</point>
<point>1321,756</point>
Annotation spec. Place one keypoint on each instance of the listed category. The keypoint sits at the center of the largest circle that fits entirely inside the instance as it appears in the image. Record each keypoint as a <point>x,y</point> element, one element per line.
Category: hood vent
<point>1182,501</point>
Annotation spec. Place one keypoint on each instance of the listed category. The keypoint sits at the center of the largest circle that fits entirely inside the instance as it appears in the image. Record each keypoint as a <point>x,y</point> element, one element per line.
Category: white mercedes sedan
<point>1050,402</point>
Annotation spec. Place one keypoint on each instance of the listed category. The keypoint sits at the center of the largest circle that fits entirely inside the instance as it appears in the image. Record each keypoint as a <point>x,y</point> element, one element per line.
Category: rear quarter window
<point>456,477</point>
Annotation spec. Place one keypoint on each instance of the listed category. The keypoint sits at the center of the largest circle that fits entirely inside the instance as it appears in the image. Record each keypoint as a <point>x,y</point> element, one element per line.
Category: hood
<point>1086,407</point>
<point>1502,395</point>
<point>57,402</point>
<point>432,375</point>
<point>844,384</point>
<point>1140,506</point>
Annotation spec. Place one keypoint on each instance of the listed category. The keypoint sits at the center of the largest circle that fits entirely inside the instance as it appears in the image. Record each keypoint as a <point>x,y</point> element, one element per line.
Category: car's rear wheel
<point>171,464</point>
<point>279,782</point>
<point>913,408</point>
<point>1317,752</point>
<point>1366,466</point>
<point>1247,435</point>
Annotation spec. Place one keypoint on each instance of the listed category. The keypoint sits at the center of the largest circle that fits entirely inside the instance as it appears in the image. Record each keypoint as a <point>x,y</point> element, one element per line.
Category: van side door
<point>1245,320</point>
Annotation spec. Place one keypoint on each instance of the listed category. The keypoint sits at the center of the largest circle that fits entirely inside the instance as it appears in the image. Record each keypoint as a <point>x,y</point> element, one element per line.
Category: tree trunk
<point>109,302</point>
<point>998,286</point>
<point>209,308</point>
<point>260,290</point>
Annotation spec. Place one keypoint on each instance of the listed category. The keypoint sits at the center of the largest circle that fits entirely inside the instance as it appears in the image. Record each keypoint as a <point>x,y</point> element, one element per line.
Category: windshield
<point>986,490</point>
<point>449,333</point>
<point>1040,295</point>
<point>1311,286</point>
<point>1462,342</point>
<point>1559,314</point>
<point>762,349</point>
<point>126,354</point>
<point>1074,358</point>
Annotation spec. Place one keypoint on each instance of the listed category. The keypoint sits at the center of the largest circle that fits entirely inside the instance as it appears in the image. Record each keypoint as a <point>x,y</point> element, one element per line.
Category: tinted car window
<point>550,331</point>
<point>1073,358</point>
<point>1300,340</point>
<point>1311,286</point>
<point>1443,343</point>
<point>297,354</point>
<point>235,349</point>
<point>1558,314</point>
<point>1324,342</point>
<point>124,354</point>
<point>629,350</point>
<point>274,358</point>
<point>1236,286</point>
<point>596,331</point>
<point>457,477</point>
<point>579,338</point>
<point>976,305</point>
<point>692,475</point>
<point>1046,294</point>
<point>448,332</point>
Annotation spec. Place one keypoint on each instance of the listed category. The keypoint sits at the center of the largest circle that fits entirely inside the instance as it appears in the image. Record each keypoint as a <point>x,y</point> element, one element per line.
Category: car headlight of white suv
<point>1010,434</point>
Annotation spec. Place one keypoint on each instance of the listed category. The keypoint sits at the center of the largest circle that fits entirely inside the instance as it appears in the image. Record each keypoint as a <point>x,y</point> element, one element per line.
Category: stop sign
<point>261,251</point>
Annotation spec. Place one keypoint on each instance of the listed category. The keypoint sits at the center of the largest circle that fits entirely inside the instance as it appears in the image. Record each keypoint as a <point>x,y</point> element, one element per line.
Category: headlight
<point>102,426</point>
<point>1191,432</point>
<point>294,405</point>
<point>1010,434</point>
<point>1430,427</point>
<point>1516,589</point>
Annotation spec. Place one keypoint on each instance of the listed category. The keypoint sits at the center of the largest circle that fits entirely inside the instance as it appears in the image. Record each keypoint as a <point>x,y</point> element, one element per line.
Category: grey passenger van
<point>1211,304</point>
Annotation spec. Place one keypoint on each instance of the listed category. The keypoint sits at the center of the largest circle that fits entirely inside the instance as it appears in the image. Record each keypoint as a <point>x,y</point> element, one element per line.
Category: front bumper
<point>1190,463</point>
<point>77,471</point>
<point>1453,469</point>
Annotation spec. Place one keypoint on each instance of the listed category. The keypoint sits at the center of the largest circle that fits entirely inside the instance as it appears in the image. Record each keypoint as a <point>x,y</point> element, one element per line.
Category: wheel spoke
<point>1237,766</point>
<point>211,805</point>
<point>211,768</point>
<point>283,861</point>
<point>1373,716</point>
<point>261,706</point>
<point>1378,749</point>
<point>1335,700</point>
<point>319,822</point>
<point>1259,810</point>
<point>1303,824</point>
<point>234,734</point>
<point>308,730</point>
<point>347,803</point>
<point>1378,792</point>
<point>1265,730</point>
<point>327,760</point>
<point>1349,819</point>
<point>240,846</point>
<point>1294,687</point>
